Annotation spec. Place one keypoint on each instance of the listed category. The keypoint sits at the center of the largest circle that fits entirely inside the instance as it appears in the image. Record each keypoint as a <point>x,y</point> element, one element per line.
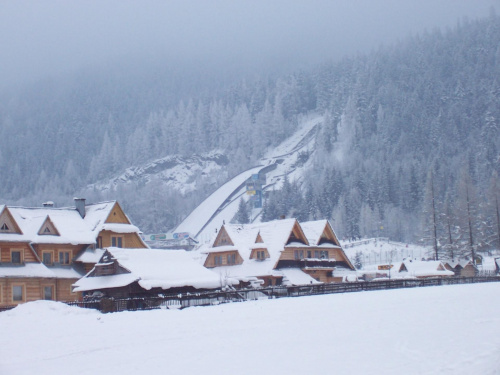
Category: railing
<point>180,301</point>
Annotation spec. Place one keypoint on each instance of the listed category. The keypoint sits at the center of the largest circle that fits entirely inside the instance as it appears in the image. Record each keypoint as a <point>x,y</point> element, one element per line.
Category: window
<point>261,254</point>
<point>324,254</point>
<point>16,257</point>
<point>116,242</point>
<point>316,254</point>
<point>64,257</point>
<point>4,227</point>
<point>231,258</point>
<point>18,293</point>
<point>99,242</point>
<point>46,230</point>
<point>299,254</point>
<point>218,260</point>
<point>47,258</point>
<point>309,254</point>
<point>48,292</point>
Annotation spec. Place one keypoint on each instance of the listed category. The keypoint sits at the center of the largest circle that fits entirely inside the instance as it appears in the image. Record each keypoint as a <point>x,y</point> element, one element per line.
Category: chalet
<point>122,273</point>
<point>409,269</point>
<point>44,250</point>
<point>462,268</point>
<point>278,252</point>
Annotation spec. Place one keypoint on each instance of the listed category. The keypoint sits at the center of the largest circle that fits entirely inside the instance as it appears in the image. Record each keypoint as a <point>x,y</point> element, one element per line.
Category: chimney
<point>48,204</point>
<point>80,206</point>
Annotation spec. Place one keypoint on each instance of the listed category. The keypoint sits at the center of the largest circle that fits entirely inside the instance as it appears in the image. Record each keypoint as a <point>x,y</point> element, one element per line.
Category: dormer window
<point>259,254</point>
<point>46,230</point>
<point>4,227</point>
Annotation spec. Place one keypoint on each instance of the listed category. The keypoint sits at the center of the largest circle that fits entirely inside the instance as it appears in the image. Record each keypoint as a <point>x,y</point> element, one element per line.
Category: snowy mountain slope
<point>175,171</point>
<point>290,157</point>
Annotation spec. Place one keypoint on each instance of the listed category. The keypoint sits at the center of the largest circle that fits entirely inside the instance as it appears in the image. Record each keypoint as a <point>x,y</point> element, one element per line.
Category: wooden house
<point>44,250</point>
<point>408,269</point>
<point>461,268</point>
<point>123,273</point>
<point>278,252</point>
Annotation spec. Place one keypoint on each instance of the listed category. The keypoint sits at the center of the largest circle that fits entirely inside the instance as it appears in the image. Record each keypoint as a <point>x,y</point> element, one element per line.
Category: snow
<point>384,332</point>
<point>294,276</point>
<point>67,221</point>
<point>382,251</point>
<point>222,205</point>
<point>195,222</point>
<point>90,255</point>
<point>71,228</point>
<point>153,269</point>
<point>27,270</point>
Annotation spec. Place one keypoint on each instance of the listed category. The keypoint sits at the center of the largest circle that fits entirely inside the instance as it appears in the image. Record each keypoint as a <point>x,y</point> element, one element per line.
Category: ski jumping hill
<point>291,157</point>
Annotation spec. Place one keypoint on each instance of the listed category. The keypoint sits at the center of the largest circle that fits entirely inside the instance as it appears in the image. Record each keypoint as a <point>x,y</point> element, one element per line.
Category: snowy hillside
<point>382,250</point>
<point>291,157</point>
<point>174,171</point>
<point>385,332</point>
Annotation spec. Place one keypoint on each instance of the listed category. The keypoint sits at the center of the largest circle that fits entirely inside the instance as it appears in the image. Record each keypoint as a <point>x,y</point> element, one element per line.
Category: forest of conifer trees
<point>408,149</point>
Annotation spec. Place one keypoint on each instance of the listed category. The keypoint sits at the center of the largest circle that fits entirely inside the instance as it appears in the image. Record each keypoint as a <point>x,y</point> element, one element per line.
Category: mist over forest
<point>409,140</point>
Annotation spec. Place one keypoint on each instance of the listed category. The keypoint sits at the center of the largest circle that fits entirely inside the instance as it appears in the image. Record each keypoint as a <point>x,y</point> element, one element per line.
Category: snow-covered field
<point>434,330</point>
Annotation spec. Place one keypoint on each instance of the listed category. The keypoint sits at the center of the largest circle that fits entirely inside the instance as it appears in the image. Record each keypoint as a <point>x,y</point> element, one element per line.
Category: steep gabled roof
<point>427,268</point>
<point>275,236</point>
<point>70,226</point>
<point>65,224</point>
<point>8,222</point>
<point>48,228</point>
<point>319,231</point>
<point>109,216</point>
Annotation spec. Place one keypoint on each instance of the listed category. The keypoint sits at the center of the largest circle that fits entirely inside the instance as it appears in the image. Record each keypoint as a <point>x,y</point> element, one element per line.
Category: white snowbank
<point>387,332</point>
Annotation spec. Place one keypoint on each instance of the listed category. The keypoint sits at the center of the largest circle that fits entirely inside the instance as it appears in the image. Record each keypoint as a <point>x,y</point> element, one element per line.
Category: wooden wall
<point>27,253</point>
<point>33,289</point>
<point>129,240</point>
<point>210,261</point>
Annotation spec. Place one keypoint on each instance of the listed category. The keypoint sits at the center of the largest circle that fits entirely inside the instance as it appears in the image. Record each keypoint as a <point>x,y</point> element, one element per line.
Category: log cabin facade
<point>44,250</point>
<point>265,253</point>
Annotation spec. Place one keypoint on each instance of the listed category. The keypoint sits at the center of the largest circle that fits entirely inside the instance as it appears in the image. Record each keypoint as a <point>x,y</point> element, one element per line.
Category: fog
<point>51,38</point>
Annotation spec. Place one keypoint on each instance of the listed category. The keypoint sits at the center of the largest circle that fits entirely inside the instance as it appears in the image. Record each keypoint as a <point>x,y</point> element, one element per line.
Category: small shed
<point>461,268</point>
<point>123,273</point>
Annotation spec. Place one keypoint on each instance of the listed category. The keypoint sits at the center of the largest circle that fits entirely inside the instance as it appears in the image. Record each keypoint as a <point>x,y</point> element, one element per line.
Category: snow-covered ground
<point>434,330</point>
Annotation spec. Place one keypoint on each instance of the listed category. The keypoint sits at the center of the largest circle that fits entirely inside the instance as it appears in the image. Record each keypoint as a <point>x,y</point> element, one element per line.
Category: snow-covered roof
<point>275,235</point>
<point>90,255</point>
<point>153,268</point>
<point>71,228</point>
<point>294,276</point>
<point>313,230</point>
<point>419,268</point>
<point>454,263</point>
<point>414,268</point>
<point>29,270</point>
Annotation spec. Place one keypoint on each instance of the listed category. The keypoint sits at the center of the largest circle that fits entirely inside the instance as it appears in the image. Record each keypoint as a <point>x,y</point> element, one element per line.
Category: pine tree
<point>431,215</point>
<point>242,216</point>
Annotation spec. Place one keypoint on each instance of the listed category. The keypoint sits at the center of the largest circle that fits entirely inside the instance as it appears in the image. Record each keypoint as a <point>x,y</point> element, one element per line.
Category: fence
<point>180,301</point>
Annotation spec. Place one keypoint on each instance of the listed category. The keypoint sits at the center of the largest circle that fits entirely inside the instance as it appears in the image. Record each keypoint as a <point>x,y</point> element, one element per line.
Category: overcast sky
<point>40,38</point>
